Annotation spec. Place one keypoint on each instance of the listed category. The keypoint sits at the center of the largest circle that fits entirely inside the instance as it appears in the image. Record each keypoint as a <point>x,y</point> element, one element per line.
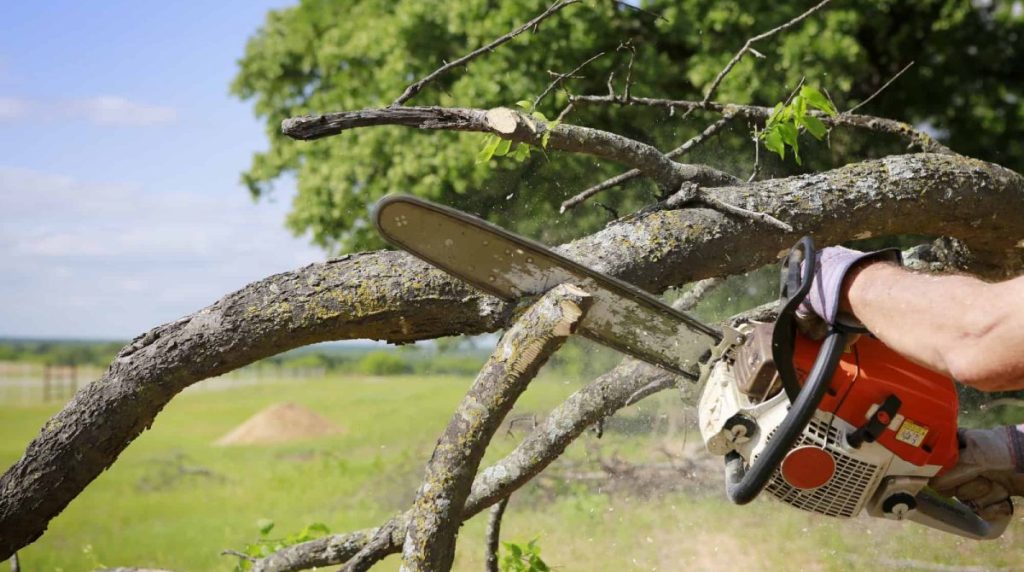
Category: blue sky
<point>120,154</point>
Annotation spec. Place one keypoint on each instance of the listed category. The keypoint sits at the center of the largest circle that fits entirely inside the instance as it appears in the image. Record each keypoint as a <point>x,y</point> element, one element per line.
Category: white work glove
<point>990,471</point>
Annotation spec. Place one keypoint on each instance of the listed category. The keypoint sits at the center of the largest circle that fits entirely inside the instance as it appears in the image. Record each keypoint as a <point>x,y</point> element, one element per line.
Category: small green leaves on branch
<point>522,558</point>
<point>266,546</point>
<point>494,146</point>
<point>787,120</point>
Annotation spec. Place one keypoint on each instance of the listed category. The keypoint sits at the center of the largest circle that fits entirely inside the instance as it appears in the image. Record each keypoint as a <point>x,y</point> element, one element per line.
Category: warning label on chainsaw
<point>911,433</point>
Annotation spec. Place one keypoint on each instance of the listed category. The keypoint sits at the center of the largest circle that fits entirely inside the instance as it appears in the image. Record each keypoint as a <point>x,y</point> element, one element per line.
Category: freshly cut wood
<point>280,423</point>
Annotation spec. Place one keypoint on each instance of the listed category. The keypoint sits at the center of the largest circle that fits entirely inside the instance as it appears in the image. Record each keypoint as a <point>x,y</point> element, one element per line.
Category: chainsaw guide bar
<point>512,267</point>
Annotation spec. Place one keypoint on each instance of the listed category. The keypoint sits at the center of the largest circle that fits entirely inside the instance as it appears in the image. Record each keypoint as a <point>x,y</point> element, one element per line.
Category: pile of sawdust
<point>279,423</point>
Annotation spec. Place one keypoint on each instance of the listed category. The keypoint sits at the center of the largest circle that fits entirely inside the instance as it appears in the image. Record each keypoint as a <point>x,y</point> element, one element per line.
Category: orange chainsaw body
<point>923,432</point>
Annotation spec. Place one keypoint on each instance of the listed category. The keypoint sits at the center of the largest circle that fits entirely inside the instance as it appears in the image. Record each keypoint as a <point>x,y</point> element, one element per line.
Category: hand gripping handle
<point>744,484</point>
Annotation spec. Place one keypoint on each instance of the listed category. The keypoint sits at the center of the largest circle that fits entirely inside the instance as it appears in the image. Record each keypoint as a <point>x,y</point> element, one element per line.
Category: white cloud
<point>12,108</point>
<point>105,110</point>
<point>96,259</point>
<point>112,110</point>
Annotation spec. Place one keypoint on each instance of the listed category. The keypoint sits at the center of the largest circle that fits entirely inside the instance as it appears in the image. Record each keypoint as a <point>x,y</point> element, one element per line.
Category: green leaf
<point>317,528</point>
<point>490,145</point>
<point>799,105</point>
<point>265,525</point>
<point>516,551</point>
<point>789,134</point>
<point>525,104</point>
<point>521,152</point>
<point>774,117</point>
<point>816,99</point>
<point>539,116</point>
<point>814,126</point>
<point>503,146</point>
<point>773,141</point>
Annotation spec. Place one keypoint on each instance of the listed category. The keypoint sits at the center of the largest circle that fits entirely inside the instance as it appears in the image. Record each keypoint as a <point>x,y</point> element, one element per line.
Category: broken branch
<point>519,128</point>
<point>522,350</point>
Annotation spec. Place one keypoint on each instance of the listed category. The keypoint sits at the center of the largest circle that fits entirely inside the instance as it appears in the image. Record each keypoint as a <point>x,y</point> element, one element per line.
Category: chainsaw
<point>820,426</point>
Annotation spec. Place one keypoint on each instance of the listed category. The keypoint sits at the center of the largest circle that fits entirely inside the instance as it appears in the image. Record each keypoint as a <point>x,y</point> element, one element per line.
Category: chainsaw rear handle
<point>744,484</point>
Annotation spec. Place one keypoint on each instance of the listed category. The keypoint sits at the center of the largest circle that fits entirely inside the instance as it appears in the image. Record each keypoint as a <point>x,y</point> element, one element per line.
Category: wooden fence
<point>24,383</point>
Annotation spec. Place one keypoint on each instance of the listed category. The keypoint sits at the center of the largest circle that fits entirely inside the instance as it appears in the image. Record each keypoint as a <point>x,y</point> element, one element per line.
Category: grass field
<point>145,511</point>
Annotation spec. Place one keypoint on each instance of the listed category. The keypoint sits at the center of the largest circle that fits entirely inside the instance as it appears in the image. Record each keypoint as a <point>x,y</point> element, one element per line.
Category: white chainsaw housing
<point>864,477</point>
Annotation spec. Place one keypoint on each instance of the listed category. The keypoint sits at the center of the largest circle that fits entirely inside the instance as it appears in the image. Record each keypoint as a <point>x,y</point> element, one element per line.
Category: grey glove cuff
<point>1015,441</point>
<point>826,291</point>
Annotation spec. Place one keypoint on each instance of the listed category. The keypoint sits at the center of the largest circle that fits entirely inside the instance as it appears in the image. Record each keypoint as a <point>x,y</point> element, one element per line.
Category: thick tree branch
<point>916,139</point>
<point>415,88</point>
<point>391,296</point>
<point>519,355</point>
<point>519,128</point>
<point>381,295</point>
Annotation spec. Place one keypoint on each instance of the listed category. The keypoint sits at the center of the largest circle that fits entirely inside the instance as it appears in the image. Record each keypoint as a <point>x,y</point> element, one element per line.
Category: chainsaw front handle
<point>743,484</point>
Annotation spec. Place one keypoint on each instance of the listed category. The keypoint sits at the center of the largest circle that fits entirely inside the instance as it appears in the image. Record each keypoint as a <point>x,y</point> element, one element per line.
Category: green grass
<point>357,479</point>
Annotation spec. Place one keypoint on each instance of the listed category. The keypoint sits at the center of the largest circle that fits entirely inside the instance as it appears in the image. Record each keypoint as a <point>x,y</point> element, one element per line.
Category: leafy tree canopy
<point>322,55</point>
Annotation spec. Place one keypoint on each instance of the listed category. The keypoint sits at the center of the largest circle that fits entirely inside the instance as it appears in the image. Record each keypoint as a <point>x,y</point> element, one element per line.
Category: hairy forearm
<point>957,325</point>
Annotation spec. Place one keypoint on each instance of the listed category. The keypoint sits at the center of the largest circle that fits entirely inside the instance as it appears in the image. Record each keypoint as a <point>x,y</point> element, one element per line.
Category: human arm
<point>971,330</point>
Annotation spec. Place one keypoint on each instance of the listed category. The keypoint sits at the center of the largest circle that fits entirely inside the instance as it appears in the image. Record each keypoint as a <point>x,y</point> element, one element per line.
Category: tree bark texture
<point>519,355</point>
<point>392,296</point>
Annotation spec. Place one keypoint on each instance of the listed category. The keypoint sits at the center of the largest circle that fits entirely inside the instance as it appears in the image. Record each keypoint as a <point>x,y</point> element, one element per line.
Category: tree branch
<point>561,77</point>
<point>394,297</point>
<point>916,139</point>
<point>493,543</point>
<point>379,546</point>
<point>519,128</point>
<point>722,206</point>
<point>617,180</point>
<point>525,347</point>
<point>415,88</point>
<point>747,47</point>
<point>696,293</point>
<point>880,90</point>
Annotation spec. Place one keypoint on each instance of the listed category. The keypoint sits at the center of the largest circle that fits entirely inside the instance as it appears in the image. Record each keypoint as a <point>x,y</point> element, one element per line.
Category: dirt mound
<point>279,423</point>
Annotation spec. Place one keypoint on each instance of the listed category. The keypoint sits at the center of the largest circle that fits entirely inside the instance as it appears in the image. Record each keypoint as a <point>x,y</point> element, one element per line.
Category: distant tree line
<point>454,356</point>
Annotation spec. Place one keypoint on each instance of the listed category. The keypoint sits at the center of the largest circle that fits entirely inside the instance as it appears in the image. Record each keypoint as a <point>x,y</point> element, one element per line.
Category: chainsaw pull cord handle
<point>744,484</point>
